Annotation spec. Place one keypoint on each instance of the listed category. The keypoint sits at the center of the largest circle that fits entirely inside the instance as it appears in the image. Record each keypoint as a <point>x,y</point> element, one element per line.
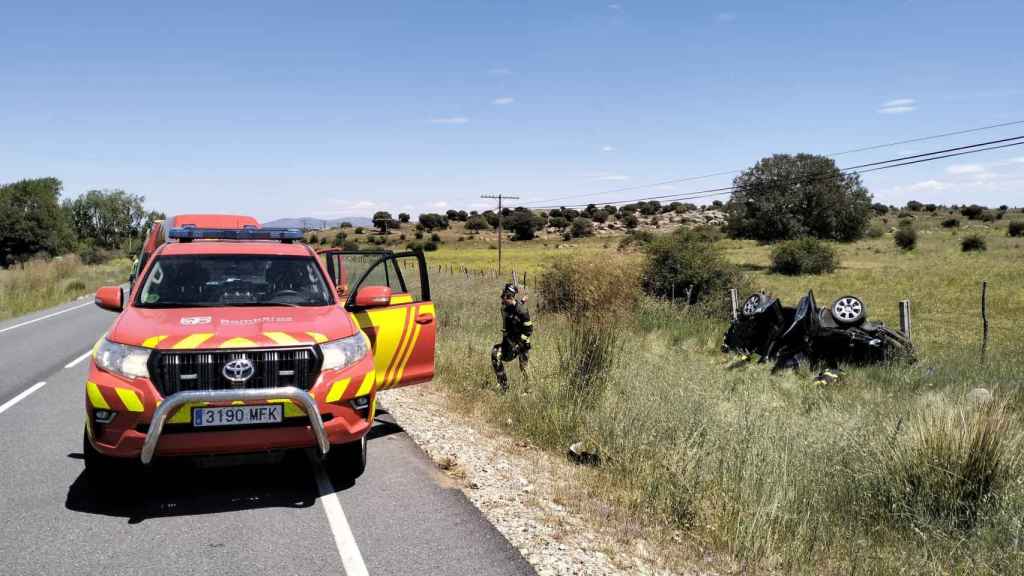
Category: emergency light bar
<point>190,233</point>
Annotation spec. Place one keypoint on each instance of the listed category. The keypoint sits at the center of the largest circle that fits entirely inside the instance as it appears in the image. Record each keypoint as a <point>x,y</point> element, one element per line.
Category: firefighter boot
<point>499,367</point>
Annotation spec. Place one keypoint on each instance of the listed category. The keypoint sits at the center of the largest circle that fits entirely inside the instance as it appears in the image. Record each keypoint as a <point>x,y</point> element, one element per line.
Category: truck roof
<point>212,221</point>
<point>266,247</point>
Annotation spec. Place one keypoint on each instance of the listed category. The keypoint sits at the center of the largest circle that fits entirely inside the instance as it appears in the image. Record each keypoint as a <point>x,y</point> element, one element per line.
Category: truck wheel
<point>348,460</point>
<point>849,311</point>
<point>98,465</point>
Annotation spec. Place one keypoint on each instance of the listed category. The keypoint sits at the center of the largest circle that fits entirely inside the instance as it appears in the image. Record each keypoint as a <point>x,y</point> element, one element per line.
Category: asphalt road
<point>264,517</point>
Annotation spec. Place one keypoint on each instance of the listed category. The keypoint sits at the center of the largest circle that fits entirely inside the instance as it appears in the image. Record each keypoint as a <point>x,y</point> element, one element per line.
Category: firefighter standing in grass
<point>515,340</point>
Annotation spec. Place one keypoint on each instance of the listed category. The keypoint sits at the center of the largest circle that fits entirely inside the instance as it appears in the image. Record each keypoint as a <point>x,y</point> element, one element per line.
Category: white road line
<point>34,320</point>
<point>24,394</point>
<point>351,559</point>
<point>76,361</point>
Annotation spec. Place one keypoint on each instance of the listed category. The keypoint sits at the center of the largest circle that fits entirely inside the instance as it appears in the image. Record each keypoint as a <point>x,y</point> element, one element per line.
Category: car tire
<point>849,311</point>
<point>753,304</point>
<point>348,460</point>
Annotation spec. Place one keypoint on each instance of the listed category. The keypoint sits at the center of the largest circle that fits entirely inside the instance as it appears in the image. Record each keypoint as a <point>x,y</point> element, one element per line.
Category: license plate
<point>237,415</point>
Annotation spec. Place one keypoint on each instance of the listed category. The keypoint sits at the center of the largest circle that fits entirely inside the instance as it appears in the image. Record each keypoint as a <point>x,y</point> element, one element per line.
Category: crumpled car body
<point>808,334</point>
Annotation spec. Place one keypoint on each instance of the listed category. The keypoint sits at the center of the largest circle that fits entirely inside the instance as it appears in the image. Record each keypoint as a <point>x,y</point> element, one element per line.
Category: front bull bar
<point>175,401</point>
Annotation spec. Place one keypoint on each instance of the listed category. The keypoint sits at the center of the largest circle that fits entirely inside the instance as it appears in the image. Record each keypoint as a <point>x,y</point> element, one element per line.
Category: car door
<point>388,295</point>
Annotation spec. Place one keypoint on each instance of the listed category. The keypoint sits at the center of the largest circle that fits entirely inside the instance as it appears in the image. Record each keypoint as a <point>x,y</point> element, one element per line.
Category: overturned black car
<point>840,334</point>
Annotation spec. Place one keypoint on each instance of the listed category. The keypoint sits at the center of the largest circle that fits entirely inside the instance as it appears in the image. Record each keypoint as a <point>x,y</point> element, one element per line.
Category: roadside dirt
<point>538,501</point>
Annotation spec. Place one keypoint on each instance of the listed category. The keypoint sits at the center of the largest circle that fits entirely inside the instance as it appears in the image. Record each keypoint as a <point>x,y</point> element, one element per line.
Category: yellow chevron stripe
<point>373,408</point>
<point>337,390</point>
<point>290,409</point>
<point>409,321</point>
<point>184,414</point>
<point>405,361</point>
<point>192,341</point>
<point>153,341</point>
<point>400,299</point>
<point>130,399</point>
<point>95,396</point>
<point>238,343</point>
<point>96,346</point>
<point>281,338</point>
<point>367,384</point>
<point>317,337</point>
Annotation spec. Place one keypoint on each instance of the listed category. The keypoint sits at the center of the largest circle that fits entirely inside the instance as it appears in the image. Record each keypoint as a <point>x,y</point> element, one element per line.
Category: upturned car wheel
<point>753,304</point>
<point>849,311</point>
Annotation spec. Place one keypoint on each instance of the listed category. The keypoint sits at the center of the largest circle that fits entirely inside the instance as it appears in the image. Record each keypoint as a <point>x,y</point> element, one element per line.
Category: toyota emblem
<point>239,370</point>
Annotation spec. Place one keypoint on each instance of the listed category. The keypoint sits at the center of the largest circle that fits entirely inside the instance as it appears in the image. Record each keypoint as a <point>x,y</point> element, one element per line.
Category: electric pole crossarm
<point>499,198</point>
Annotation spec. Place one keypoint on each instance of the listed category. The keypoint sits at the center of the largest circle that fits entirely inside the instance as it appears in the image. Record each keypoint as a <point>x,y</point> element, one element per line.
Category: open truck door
<point>388,295</point>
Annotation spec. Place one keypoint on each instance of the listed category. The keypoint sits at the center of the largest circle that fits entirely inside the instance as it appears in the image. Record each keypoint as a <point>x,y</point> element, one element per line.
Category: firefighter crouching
<point>515,340</point>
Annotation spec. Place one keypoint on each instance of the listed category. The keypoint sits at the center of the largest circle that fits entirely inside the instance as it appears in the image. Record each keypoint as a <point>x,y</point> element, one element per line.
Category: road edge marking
<point>34,320</point>
<point>78,360</point>
<point>351,559</point>
<point>21,396</point>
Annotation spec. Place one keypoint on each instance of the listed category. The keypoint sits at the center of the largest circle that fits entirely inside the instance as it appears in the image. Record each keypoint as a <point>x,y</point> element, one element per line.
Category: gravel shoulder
<point>537,500</point>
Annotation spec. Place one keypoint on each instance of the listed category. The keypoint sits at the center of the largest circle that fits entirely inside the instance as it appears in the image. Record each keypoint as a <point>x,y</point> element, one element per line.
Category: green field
<point>893,470</point>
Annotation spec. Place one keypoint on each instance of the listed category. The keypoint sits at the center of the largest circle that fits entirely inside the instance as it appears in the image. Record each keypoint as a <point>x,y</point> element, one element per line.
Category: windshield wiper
<point>241,304</point>
<point>176,305</point>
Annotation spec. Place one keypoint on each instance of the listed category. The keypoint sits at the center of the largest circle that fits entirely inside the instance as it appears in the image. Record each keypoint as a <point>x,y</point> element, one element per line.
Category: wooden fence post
<point>984,318</point>
<point>905,318</point>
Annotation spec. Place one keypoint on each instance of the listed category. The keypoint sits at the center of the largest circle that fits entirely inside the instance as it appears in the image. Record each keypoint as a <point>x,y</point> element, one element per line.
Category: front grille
<point>189,370</point>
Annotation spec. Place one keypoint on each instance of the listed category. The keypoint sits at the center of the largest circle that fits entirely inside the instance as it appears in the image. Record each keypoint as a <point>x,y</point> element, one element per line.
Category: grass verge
<point>39,284</point>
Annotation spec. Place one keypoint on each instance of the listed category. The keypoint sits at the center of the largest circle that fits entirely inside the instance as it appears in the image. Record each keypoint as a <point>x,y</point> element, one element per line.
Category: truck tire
<point>347,460</point>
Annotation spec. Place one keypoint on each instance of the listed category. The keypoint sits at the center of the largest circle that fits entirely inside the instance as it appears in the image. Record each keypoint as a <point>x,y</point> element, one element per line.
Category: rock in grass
<point>980,396</point>
<point>580,455</point>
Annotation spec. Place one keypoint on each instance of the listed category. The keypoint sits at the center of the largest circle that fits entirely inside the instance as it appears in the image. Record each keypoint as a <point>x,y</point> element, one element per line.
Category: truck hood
<point>241,327</point>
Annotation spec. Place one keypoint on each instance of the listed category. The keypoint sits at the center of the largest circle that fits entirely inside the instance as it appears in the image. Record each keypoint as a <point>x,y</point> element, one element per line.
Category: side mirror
<point>110,298</point>
<point>373,296</point>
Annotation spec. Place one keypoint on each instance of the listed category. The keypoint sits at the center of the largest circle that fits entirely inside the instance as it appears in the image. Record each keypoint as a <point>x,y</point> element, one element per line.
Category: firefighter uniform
<point>515,341</point>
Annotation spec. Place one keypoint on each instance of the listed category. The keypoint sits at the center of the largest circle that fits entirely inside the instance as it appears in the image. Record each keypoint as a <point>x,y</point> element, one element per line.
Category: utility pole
<point>499,197</point>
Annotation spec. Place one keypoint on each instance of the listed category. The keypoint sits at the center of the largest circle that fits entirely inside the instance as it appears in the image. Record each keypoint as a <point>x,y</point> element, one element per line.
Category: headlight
<point>345,352</point>
<point>127,361</point>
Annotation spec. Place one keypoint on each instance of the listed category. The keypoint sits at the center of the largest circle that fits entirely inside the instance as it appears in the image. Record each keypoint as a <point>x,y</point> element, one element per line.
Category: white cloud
<point>898,106</point>
<point>899,102</point>
<point>499,72</point>
<point>439,204</point>
<point>608,149</point>
<point>1017,160</point>
<point>504,100</point>
<point>449,120</point>
<point>611,178</point>
<point>965,169</point>
<point>725,16</point>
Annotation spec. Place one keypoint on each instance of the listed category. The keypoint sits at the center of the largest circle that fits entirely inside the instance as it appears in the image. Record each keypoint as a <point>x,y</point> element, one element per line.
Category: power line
<point>858,169</point>
<point>831,155</point>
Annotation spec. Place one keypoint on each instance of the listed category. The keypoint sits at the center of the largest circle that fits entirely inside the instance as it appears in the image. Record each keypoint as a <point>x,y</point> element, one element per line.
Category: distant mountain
<point>317,223</point>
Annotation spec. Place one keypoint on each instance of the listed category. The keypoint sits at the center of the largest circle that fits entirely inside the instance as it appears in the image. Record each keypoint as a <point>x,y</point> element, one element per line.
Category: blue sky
<point>337,108</point>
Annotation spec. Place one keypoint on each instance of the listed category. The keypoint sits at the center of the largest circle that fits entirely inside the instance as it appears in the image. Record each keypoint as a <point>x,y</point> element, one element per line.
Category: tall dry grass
<point>38,284</point>
<point>772,472</point>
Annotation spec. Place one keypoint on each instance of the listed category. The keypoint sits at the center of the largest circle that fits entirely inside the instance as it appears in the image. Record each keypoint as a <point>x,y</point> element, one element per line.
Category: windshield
<point>190,281</point>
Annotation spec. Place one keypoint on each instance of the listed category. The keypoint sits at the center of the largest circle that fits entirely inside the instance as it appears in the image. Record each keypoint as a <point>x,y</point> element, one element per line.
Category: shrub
<point>973,243</point>
<point>74,286</point>
<point>639,239</point>
<point>946,466</point>
<point>584,285</point>
<point>905,237</point>
<point>951,223</point>
<point>429,246</point>
<point>1016,229</point>
<point>359,230</point>
<point>314,239</point>
<point>803,256</point>
<point>875,231</point>
<point>586,355</point>
<point>558,222</point>
<point>582,227</point>
<point>988,216</point>
<point>685,264</point>
<point>435,237</point>
<point>523,224</point>
<point>350,245</point>
<point>972,212</point>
